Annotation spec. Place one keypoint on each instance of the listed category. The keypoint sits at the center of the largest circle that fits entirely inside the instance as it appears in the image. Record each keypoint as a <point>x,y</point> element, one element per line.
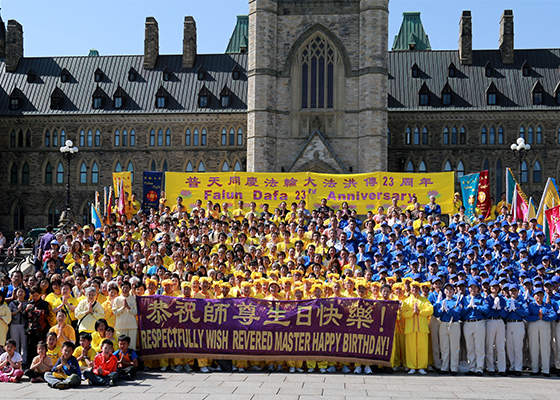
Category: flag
<point>96,217</point>
<point>122,201</point>
<point>553,222</point>
<point>510,186</point>
<point>532,210</point>
<point>520,206</point>
<point>469,187</point>
<point>152,190</point>
<point>483,197</point>
<point>110,201</point>
<point>549,198</point>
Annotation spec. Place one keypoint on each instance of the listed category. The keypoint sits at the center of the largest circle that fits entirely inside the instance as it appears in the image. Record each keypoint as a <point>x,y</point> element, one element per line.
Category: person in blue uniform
<point>475,307</point>
<point>448,309</point>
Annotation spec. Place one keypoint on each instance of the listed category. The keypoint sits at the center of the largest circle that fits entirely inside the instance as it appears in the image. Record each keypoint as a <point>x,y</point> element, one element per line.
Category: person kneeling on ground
<point>66,372</point>
<point>104,371</point>
<point>127,359</point>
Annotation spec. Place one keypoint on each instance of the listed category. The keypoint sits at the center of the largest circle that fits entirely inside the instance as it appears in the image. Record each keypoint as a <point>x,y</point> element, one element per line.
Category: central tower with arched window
<point>317,85</point>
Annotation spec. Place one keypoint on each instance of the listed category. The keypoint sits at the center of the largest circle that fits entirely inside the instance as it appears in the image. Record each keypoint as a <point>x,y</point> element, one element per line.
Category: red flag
<point>520,207</point>
<point>483,198</point>
<point>553,219</point>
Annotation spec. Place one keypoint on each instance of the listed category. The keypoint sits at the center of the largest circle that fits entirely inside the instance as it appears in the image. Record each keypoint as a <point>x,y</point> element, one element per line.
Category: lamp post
<point>520,150</point>
<point>68,151</point>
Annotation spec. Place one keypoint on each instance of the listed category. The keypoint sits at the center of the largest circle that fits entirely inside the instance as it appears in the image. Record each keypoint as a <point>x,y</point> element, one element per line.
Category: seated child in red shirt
<point>104,371</point>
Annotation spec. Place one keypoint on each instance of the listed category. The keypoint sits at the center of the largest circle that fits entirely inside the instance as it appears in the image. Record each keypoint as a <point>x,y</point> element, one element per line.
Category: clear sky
<point>72,27</point>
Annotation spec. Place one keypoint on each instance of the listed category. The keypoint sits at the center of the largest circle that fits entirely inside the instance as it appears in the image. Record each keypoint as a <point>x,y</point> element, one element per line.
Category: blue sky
<point>72,27</point>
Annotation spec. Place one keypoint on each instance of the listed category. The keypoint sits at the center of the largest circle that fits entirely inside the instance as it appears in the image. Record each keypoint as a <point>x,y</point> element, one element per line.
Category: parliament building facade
<point>302,86</point>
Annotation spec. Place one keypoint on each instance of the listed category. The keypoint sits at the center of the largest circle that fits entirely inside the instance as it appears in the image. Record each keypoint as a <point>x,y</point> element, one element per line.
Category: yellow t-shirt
<point>68,332</point>
<point>54,354</point>
<point>90,354</point>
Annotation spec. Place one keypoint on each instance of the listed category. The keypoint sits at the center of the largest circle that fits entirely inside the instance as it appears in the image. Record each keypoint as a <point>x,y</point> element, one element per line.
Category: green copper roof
<point>239,39</point>
<point>93,53</point>
<point>412,35</point>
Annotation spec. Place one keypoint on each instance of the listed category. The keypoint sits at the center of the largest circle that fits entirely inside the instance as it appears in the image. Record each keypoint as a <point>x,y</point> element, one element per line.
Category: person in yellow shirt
<point>204,293</point>
<point>416,311</point>
<point>457,203</point>
<point>64,332</point>
<point>99,335</point>
<point>53,349</point>
<point>239,212</point>
<point>66,303</point>
<point>503,203</point>
<point>84,353</point>
<point>53,299</point>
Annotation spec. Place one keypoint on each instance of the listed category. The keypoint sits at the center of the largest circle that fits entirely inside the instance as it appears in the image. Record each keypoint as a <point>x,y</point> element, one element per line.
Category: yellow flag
<point>549,199</point>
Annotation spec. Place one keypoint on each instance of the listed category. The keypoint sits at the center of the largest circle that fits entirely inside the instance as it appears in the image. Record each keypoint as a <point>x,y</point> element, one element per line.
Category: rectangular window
<point>424,99</point>
<point>118,102</point>
<point>537,98</point>
<point>203,101</point>
<point>492,99</point>
<point>225,101</point>
<point>446,99</point>
<point>97,101</point>
<point>161,102</point>
<point>330,86</point>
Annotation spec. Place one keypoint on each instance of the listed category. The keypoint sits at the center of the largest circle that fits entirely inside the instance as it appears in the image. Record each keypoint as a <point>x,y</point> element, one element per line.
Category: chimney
<point>465,38</point>
<point>189,42</point>
<point>14,45</point>
<point>151,43</point>
<point>506,37</point>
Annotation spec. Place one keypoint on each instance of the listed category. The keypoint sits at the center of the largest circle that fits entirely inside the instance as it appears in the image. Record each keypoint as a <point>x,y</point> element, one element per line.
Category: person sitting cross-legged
<point>104,371</point>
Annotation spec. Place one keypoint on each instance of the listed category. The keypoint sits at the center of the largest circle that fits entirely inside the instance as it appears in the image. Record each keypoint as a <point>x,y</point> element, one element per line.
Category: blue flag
<point>96,218</point>
<point>469,187</point>
<point>152,190</point>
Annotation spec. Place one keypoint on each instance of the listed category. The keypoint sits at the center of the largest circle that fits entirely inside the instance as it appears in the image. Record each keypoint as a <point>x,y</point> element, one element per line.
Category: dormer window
<point>118,98</point>
<point>424,95</point>
<point>64,76</point>
<point>446,95</point>
<point>538,93</point>
<point>166,74</point>
<point>118,102</point>
<point>200,73</point>
<point>488,70</point>
<point>225,97</point>
<point>526,69</point>
<point>492,95</point>
<point>98,98</point>
<point>452,71</point>
<point>31,76</point>
<point>161,98</point>
<point>57,99</point>
<point>236,73</point>
<point>98,75</point>
<point>415,71</point>
<point>204,97</point>
<point>132,75</point>
<point>16,99</point>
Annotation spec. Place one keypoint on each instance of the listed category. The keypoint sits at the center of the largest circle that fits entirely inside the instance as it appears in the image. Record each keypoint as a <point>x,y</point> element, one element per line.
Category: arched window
<point>409,167</point>
<point>83,173</point>
<point>125,138</point>
<point>25,174</point>
<point>454,135</point>
<point>485,165</point>
<point>537,172</point>
<point>492,135</point>
<point>62,137</point>
<point>90,138</point>
<point>225,166</point>
<point>14,174</point>
<point>55,138</point>
<point>97,138</point>
<point>118,167</point>
<point>48,174</point>
<point>132,138</point>
<point>318,60</point>
<point>483,137</point>
<point>524,172</point>
<point>160,137</point>
<point>447,167</point>
<point>47,139</point>
<point>95,173</point>
<point>201,167</point>
<point>195,137</point>
<point>189,167</point>
<point>152,138</point>
<point>130,168</point>
<point>231,137</point>
<point>117,138</point>
<point>240,137</point>
<point>462,136</point>
<point>168,137</point>
<point>82,138</point>
<point>13,139</point>
<point>522,132</point>
<point>237,167</point>
<point>53,215</point>
<point>165,166</point>
<point>424,135</point>
<point>86,214</point>
<point>224,137</point>
<point>530,135</point>
<point>422,167</point>
<point>153,167</point>
<point>203,137</point>
<point>416,135</point>
<point>19,217</point>
<point>60,173</point>
<point>460,169</point>
<point>500,135</point>
<point>539,135</point>
<point>499,178</point>
<point>446,135</point>
<point>188,137</point>
<point>408,136</point>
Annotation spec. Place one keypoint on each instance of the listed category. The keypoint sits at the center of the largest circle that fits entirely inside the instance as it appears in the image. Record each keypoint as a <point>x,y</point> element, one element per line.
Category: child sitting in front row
<point>10,363</point>
<point>127,359</point>
<point>104,371</point>
<point>84,353</point>
<point>41,364</point>
<point>66,372</point>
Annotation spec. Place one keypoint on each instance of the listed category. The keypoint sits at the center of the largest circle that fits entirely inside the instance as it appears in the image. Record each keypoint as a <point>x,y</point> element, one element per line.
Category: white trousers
<point>434,327</point>
<point>514,344</point>
<point>495,338</point>
<point>475,333</point>
<point>450,342</point>
<point>539,345</point>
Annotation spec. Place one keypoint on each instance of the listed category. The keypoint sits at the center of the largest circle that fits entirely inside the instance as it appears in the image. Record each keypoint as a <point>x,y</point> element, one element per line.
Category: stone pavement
<point>284,386</point>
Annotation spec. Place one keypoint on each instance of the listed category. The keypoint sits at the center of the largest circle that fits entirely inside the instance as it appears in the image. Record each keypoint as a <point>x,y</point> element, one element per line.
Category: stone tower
<point>317,85</point>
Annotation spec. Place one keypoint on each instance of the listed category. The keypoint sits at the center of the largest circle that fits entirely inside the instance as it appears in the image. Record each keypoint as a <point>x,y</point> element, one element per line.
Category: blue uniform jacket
<point>479,311</point>
<point>454,310</point>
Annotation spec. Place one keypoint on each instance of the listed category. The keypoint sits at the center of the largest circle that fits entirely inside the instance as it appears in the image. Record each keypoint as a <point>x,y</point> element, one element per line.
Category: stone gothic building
<point>302,86</point>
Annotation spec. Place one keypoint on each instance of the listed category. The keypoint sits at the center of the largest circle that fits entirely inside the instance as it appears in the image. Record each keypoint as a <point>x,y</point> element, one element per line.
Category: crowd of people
<point>474,297</point>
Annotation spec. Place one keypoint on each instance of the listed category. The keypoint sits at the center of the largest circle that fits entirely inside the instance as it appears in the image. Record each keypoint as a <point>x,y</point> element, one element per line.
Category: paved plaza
<point>284,386</point>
